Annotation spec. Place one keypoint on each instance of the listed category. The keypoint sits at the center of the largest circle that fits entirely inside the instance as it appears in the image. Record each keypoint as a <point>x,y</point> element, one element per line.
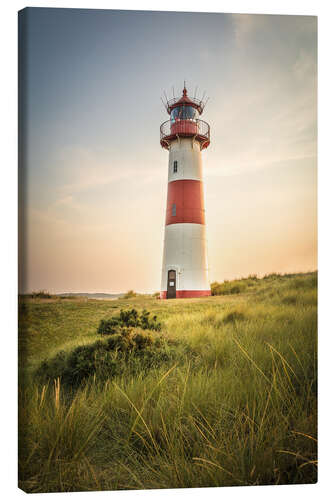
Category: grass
<point>235,404</point>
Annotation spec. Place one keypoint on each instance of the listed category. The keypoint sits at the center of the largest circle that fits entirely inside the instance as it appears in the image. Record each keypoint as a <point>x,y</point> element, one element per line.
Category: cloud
<point>305,67</point>
<point>245,25</point>
<point>264,111</point>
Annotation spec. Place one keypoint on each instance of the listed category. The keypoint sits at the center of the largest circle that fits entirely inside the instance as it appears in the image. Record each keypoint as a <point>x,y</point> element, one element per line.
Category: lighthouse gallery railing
<point>189,128</point>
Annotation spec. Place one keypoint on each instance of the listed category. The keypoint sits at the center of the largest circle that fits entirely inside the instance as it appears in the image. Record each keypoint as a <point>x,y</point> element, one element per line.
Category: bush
<point>129,295</point>
<point>142,340</point>
<point>132,351</point>
<point>126,319</point>
<point>41,294</point>
<point>108,326</point>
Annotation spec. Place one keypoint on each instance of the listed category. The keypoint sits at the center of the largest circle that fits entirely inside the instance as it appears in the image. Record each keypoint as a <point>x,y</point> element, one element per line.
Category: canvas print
<point>167,250</point>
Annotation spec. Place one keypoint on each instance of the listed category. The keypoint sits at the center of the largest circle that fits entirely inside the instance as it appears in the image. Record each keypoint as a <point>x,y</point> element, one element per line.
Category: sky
<point>95,175</point>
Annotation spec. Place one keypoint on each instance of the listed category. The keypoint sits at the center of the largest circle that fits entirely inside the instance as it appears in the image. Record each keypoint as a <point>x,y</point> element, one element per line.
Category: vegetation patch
<point>234,316</point>
<point>289,299</point>
<point>40,294</point>
<point>234,286</point>
<point>226,395</point>
<point>128,319</point>
<point>131,351</point>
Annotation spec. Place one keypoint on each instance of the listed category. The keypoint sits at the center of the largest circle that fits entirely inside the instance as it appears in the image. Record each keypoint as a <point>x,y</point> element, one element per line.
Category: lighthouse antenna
<point>195,92</point>
<point>166,97</point>
<point>203,95</point>
<point>206,101</point>
<point>173,91</point>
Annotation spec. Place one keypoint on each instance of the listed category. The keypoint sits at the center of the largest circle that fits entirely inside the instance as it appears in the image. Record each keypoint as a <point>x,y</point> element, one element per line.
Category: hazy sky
<point>97,176</point>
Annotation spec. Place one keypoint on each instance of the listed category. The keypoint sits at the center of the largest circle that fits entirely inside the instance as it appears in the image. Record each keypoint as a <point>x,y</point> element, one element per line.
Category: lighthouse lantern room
<point>185,264</point>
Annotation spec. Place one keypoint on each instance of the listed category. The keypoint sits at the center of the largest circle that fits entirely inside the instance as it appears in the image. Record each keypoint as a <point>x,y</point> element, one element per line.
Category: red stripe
<point>187,294</point>
<point>188,197</point>
<point>185,127</point>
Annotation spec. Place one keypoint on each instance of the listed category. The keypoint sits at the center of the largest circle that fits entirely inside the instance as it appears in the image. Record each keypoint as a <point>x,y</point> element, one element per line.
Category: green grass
<point>236,404</point>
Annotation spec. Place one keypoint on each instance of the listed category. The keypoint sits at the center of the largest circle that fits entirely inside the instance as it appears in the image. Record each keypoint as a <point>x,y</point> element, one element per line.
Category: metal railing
<point>198,102</point>
<point>187,128</point>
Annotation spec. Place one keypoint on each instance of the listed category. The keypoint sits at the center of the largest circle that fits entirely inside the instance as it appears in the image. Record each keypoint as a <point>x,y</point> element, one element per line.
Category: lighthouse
<point>185,263</point>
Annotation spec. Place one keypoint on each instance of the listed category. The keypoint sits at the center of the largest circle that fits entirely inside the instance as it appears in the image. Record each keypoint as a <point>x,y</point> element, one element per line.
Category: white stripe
<point>185,251</point>
<point>187,154</point>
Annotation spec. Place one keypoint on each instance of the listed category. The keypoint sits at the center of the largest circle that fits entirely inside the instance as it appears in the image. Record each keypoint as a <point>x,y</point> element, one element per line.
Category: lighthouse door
<point>171,293</point>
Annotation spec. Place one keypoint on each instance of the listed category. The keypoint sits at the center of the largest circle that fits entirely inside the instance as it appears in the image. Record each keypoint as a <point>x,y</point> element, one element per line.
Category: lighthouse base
<point>187,294</point>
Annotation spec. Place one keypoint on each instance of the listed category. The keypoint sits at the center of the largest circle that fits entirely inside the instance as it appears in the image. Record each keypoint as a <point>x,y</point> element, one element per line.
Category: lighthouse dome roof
<point>185,100</point>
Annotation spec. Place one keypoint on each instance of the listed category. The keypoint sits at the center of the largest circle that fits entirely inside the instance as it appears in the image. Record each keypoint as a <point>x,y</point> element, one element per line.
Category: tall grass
<point>237,407</point>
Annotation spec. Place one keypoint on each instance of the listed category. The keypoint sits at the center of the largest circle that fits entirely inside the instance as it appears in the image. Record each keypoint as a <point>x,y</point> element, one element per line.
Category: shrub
<point>133,351</point>
<point>41,294</point>
<point>130,294</point>
<point>118,342</point>
<point>142,340</point>
<point>108,327</point>
<point>128,318</point>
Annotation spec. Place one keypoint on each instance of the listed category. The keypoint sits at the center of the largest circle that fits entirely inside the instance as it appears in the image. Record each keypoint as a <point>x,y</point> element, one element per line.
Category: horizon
<point>96,177</point>
<point>154,291</point>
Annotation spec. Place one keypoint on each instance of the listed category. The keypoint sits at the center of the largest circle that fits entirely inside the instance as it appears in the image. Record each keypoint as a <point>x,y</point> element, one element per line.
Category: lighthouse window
<point>189,112</point>
<point>175,166</point>
<point>183,113</point>
<point>173,209</point>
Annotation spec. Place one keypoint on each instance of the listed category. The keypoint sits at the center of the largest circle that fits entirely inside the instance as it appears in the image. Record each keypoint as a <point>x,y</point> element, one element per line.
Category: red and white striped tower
<point>185,264</point>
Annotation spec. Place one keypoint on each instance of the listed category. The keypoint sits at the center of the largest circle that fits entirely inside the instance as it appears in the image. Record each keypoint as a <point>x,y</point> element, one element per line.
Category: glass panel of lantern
<point>183,113</point>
